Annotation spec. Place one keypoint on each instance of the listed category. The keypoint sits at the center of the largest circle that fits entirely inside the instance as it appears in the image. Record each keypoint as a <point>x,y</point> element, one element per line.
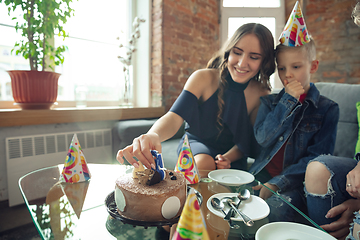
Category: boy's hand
<point>264,192</point>
<point>294,88</point>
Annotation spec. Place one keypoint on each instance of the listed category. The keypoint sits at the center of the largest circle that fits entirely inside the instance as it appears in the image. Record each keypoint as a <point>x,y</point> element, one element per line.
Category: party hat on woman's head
<point>295,32</point>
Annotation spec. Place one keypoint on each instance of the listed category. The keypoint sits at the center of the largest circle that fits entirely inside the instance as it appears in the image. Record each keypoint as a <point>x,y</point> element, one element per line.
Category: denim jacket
<point>310,128</point>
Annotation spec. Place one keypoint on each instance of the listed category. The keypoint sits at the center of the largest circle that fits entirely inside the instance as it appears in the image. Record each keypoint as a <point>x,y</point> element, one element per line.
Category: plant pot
<point>34,89</point>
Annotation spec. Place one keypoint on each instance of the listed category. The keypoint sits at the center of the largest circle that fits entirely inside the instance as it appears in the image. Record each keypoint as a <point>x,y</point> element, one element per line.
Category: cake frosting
<point>158,202</point>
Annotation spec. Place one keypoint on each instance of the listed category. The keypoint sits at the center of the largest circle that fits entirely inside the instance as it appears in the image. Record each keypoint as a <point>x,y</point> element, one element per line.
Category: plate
<point>255,207</point>
<point>289,230</point>
<point>231,177</point>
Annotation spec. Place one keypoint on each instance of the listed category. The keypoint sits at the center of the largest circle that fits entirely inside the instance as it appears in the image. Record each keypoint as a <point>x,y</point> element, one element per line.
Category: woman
<point>218,103</point>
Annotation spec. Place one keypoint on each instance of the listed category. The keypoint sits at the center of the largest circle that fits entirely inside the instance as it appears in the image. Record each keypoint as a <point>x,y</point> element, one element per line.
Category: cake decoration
<point>186,163</point>
<point>148,177</point>
<point>75,166</point>
<point>295,32</point>
<point>170,207</point>
<point>159,163</point>
<point>191,224</point>
<point>139,169</point>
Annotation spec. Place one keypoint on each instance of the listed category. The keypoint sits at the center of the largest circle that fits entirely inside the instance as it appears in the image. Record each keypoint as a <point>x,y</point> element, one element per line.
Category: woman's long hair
<point>267,67</point>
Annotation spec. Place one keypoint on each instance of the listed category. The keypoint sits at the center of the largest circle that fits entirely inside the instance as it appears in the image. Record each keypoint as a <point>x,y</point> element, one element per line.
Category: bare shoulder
<point>202,82</point>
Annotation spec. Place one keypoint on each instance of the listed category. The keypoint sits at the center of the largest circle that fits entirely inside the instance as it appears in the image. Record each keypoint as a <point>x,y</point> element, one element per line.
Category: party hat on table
<point>75,166</point>
<point>186,163</point>
<point>191,224</point>
<point>295,32</point>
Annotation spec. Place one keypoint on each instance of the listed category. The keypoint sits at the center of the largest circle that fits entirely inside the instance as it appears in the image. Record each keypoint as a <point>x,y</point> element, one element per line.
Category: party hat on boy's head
<point>186,163</point>
<point>191,224</point>
<point>75,166</point>
<point>295,32</point>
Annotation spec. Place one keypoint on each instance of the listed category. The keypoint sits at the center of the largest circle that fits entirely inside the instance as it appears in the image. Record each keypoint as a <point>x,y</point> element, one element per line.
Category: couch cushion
<point>346,95</point>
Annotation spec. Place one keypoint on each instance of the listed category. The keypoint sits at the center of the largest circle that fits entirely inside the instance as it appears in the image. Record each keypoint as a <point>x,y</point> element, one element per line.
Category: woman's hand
<point>340,228</point>
<point>139,150</point>
<point>264,192</point>
<point>353,182</point>
<point>222,162</point>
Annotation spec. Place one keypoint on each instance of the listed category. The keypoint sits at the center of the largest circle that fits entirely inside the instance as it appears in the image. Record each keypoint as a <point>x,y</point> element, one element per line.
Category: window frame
<point>141,65</point>
<point>232,12</point>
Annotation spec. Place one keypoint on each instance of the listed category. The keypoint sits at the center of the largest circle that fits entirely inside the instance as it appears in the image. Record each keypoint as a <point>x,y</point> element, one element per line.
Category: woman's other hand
<point>222,162</point>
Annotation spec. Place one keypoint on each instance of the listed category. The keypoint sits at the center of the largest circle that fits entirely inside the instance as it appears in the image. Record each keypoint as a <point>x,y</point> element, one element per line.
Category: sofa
<point>346,95</point>
<point>125,131</point>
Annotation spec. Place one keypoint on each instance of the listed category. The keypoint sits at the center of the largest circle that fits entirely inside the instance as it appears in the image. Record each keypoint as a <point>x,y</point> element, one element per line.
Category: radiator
<point>28,153</point>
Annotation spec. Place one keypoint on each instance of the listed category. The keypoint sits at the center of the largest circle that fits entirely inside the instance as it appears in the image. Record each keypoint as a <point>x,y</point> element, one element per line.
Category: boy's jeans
<point>319,205</point>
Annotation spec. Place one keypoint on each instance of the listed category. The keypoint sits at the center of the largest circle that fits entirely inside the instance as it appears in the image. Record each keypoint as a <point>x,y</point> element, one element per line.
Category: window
<point>92,73</point>
<point>270,13</point>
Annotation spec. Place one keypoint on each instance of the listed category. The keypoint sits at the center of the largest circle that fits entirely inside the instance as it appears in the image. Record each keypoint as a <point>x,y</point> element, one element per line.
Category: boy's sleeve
<point>272,121</point>
<point>322,143</point>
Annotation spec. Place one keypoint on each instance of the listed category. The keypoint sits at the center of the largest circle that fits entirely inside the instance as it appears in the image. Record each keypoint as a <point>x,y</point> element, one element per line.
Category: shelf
<point>17,117</point>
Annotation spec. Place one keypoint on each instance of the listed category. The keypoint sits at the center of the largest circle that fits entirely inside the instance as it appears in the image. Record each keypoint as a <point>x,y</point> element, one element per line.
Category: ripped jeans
<point>319,205</point>
<point>356,221</point>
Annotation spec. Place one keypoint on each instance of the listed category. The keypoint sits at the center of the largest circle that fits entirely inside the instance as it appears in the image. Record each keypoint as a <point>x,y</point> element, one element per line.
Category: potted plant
<point>39,22</point>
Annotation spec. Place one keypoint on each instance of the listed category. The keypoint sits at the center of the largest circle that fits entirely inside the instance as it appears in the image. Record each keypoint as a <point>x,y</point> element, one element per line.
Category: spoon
<point>243,195</point>
<point>218,205</point>
<point>244,217</point>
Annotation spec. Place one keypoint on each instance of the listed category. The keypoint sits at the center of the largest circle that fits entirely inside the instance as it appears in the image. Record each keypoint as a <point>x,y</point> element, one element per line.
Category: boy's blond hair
<point>309,47</point>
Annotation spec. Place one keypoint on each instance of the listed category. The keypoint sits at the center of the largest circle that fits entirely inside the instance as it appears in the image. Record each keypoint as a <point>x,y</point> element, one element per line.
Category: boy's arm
<point>323,142</point>
<point>272,122</point>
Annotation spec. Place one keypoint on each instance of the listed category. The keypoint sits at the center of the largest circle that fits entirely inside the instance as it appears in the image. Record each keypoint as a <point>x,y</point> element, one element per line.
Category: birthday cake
<point>150,195</point>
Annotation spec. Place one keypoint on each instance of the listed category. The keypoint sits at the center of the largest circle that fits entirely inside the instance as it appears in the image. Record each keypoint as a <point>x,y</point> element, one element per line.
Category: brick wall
<point>186,34</point>
<point>337,40</point>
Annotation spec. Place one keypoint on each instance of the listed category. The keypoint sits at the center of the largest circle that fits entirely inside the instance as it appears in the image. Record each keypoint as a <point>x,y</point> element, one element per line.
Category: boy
<point>294,126</point>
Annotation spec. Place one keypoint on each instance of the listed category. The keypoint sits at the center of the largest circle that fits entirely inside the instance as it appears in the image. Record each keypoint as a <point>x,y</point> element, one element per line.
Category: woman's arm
<point>200,84</point>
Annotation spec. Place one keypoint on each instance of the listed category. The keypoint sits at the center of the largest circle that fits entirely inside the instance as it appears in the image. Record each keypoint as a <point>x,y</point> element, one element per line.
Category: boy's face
<point>294,65</point>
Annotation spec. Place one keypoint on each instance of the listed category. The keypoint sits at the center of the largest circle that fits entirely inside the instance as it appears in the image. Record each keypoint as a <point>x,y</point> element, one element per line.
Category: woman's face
<point>245,59</point>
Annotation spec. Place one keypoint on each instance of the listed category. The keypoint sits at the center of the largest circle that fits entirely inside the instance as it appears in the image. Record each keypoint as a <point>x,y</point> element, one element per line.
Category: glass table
<point>78,211</point>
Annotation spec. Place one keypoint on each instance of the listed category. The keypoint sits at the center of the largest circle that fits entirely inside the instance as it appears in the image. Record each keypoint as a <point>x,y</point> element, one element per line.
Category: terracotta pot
<point>31,87</point>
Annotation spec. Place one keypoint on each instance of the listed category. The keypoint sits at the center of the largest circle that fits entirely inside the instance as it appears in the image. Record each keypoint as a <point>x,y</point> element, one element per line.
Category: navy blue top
<point>202,126</point>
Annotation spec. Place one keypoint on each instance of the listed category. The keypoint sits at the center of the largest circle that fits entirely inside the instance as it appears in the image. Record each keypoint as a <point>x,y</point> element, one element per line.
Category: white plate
<point>231,177</point>
<point>289,230</point>
<point>256,208</point>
